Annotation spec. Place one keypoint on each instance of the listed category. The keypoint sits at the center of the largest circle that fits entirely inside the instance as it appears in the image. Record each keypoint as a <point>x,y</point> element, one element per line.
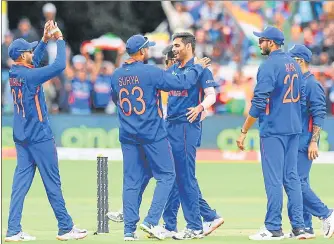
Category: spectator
<point>236,96</point>
<point>210,11</point>
<point>6,63</point>
<point>26,31</point>
<point>102,86</point>
<point>49,13</point>
<point>178,18</point>
<point>80,95</point>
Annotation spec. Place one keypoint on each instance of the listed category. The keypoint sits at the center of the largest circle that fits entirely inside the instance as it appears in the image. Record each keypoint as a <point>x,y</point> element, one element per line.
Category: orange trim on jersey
<point>38,107</point>
<point>267,107</point>
<point>310,124</point>
<point>30,66</point>
<point>130,61</point>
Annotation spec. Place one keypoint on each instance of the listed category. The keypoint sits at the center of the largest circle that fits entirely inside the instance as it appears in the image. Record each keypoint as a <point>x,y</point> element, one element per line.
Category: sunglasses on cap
<point>298,59</point>
<point>262,40</point>
<point>26,51</point>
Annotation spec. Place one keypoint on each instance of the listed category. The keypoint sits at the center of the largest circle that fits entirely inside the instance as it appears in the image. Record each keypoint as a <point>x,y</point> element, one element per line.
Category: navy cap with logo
<point>137,42</point>
<point>19,46</point>
<point>271,33</point>
<point>301,51</point>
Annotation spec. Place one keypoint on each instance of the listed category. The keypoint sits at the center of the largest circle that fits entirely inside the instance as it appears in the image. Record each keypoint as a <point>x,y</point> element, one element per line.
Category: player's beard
<point>265,51</point>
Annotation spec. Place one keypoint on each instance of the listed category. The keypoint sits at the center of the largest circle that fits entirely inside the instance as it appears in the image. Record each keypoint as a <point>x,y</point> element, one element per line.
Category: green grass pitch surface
<point>235,190</point>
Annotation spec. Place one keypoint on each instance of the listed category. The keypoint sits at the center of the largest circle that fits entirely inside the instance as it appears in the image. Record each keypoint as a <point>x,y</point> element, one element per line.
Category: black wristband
<point>243,132</point>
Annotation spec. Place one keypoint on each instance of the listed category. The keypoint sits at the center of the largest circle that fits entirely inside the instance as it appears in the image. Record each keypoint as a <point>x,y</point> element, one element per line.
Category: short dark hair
<point>168,51</point>
<point>186,38</point>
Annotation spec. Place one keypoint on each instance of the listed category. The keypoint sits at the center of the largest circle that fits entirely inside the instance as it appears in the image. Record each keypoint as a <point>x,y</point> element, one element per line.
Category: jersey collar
<point>276,52</point>
<point>30,66</point>
<point>131,61</point>
<point>307,74</point>
<point>189,63</point>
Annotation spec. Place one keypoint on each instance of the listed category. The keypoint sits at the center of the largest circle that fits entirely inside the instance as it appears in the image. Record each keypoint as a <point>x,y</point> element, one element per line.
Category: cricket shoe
<point>188,234</point>
<point>21,236</point>
<point>117,217</point>
<point>153,231</point>
<point>209,227</point>
<point>168,234</point>
<point>309,234</point>
<point>74,234</point>
<point>328,226</point>
<point>267,235</point>
<point>131,237</point>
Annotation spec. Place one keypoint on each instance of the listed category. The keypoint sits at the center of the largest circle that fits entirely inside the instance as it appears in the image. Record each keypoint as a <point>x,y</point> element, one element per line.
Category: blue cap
<point>271,33</point>
<point>18,46</point>
<point>137,42</point>
<point>301,51</point>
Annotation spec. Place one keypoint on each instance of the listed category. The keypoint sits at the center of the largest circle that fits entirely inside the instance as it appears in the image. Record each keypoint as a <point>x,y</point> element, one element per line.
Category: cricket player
<point>34,141</point>
<point>184,132</point>
<point>313,115</point>
<point>208,226</point>
<point>277,101</point>
<point>135,90</point>
<point>211,220</point>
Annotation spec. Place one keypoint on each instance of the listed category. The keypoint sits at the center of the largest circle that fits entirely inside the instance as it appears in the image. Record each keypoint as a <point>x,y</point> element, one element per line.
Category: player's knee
<point>304,184</point>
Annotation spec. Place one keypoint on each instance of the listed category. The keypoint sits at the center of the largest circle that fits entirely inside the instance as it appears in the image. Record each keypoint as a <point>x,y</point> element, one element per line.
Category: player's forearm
<point>39,53</point>
<point>248,123</point>
<point>210,97</point>
<point>315,133</point>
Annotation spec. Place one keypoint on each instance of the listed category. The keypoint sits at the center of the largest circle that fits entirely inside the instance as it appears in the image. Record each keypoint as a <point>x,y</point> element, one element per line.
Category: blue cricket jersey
<point>31,123</point>
<point>180,101</point>
<point>101,91</point>
<point>80,94</point>
<point>278,96</point>
<point>136,91</point>
<point>315,110</point>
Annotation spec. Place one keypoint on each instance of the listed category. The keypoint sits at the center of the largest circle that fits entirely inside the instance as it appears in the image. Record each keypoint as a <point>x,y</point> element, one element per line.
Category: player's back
<point>283,111</point>
<point>139,104</point>
<point>31,123</point>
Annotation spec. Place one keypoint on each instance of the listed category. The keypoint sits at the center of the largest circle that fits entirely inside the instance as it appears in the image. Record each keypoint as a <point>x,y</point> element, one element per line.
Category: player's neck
<point>274,48</point>
<point>304,69</point>
<point>186,60</point>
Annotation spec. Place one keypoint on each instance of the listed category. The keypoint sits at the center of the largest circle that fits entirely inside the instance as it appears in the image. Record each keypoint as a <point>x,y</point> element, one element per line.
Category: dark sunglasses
<point>262,40</point>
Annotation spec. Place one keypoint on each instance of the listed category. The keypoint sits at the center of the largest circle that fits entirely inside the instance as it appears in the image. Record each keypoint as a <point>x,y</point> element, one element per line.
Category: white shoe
<point>168,234</point>
<point>131,237</point>
<point>154,231</point>
<point>328,226</point>
<point>21,236</point>
<point>301,234</point>
<point>117,217</point>
<point>74,234</point>
<point>209,227</point>
<point>266,235</point>
<point>188,234</point>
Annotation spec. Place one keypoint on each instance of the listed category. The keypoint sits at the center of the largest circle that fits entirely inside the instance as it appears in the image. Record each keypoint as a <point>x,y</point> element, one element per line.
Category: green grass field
<point>235,190</point>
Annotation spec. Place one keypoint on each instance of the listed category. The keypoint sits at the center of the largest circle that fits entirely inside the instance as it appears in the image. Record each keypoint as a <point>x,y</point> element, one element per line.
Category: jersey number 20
<point>289,80</point>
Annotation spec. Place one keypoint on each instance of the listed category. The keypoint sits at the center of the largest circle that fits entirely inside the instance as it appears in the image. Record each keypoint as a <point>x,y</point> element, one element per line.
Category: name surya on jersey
<point>15,82</point>
<point>128,80</point>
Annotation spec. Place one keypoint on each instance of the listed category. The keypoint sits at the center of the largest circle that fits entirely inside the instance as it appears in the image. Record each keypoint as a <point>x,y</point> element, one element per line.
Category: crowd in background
<point>83,86</point>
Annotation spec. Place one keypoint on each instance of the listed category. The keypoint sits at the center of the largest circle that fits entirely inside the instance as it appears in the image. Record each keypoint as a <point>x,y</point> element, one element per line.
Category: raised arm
<point>40,49</point>
<point>167,81</point>
<point>38,76</point>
